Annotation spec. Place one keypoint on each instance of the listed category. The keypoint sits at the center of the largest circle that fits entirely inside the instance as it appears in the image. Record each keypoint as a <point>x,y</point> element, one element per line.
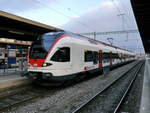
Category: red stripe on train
<point>62,36</point>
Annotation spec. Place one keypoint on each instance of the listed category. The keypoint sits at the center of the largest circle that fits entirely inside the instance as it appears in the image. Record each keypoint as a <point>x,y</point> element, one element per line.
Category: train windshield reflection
<point>40,47</point>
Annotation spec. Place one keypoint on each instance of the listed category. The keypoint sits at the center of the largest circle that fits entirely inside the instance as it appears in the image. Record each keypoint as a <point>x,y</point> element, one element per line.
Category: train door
<point>110,58</point>
<point>121,57</point>
<point>100,59</point>
<point>77,58</point>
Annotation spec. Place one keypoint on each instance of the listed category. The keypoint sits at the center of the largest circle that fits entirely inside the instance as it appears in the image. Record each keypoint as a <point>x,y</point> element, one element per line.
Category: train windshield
<point>41,46</point>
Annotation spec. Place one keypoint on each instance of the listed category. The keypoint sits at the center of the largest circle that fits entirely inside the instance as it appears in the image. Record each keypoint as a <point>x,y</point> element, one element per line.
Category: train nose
<point>37,62</point>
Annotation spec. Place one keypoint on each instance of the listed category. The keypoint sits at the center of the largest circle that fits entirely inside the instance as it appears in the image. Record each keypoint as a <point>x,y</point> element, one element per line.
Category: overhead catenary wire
<point>68,8</point>
<point>120,12</point>
<point>123,14</point>
<point>128,18</point>
<point>73,11</point>
<point>68,17</point>
<point>125,9</point>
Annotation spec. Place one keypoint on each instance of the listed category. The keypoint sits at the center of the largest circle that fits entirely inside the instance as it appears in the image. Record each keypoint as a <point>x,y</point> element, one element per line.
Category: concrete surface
<point>145,102</point>
<point>12,81</point>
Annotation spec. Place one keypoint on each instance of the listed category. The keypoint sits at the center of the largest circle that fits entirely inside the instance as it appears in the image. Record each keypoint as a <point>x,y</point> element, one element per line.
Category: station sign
<point>11,56</point>
<point>12,53</point>
<point>11,60</point>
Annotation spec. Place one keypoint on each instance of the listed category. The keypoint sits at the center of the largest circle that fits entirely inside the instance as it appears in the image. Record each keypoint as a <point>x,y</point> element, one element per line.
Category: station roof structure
<point>141,10</point>
<point>15,27</point>
<point>15,43</point>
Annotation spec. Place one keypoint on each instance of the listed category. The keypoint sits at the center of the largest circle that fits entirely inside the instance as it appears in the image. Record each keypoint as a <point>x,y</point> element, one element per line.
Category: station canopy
<point>15,27</point>
<point>141,10</point>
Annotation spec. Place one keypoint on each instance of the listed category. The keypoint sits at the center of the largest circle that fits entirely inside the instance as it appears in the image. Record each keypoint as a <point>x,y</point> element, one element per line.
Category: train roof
<point>110,47</point>
<point>104,46</point>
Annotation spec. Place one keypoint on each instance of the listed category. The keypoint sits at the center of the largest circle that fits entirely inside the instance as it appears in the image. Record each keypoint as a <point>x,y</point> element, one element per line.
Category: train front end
<point>39,65</point>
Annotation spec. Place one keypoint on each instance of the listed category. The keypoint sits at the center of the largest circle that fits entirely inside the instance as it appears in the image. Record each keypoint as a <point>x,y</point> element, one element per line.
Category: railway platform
<point>13,80</point>
<point>145,102</point>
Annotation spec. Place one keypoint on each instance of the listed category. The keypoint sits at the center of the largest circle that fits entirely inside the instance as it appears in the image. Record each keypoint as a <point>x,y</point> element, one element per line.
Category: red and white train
<point>60,56</point>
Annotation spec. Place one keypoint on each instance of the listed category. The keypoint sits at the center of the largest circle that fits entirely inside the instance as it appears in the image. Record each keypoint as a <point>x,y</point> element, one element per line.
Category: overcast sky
<point>81,16</point>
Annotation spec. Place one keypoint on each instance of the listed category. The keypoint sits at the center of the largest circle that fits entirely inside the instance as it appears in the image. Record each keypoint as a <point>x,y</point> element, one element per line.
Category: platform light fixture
<point>16,32</point>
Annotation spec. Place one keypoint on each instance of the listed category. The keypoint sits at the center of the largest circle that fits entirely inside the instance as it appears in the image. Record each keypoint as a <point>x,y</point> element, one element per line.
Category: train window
<point>106,55</point>
<point>48,41</point>
<point>88,56</point>
<point>41,46</point>
<point>37,51</point>
<point>62,55</point>
<point>115,55</point>
<point>108,60</point>
<point>105,60</point>
<point>95,57</point>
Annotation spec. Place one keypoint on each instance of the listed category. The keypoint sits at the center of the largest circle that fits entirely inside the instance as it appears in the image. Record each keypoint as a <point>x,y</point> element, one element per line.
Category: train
<point>61,56</point>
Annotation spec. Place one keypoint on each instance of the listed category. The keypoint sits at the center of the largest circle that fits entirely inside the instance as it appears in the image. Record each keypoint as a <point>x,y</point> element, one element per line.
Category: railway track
<point>23,95</point>
<point>27,94</point>
<point>127,90</point>
<point>111,97</point>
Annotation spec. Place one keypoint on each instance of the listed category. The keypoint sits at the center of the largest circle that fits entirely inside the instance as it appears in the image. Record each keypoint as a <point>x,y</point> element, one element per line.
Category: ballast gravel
<point>68,99</point>
<point>132,102</point>
<point>107,101</point>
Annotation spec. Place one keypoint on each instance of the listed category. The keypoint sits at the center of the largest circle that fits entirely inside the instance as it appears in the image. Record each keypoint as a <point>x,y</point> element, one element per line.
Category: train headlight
<point>47,64</point>
<point>44,65</point>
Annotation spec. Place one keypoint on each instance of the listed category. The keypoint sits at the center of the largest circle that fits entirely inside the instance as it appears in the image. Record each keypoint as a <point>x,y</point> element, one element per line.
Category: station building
<point>16,35</point>
<point>12,52</point>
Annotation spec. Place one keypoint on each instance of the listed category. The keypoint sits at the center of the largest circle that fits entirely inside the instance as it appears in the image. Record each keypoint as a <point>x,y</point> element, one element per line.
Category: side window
<point>62,55</point>
<point>91,56</point>
<point>106,57</point>
<point>88,56</point>
<point>104,60</point>
<point>95,57</point>
<point>115,56</point>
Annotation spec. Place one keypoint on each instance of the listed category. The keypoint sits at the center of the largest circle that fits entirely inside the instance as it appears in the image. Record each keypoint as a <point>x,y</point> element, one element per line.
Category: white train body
<point>66,55</point>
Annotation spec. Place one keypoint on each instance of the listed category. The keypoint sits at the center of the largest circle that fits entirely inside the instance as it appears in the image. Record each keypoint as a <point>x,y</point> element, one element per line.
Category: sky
<point>82,16</point>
